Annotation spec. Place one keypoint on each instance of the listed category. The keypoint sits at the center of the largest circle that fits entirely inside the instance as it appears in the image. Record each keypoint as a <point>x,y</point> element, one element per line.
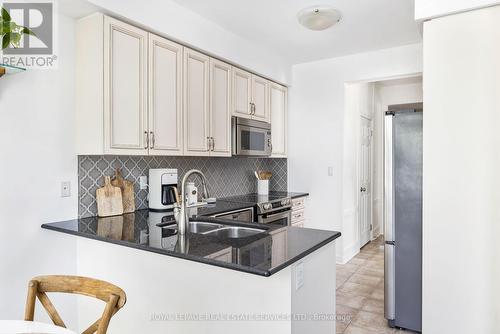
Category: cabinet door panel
<point>165,96</point>
<point>125,89</point>
<point>260,92</point>
<point>278,110</point>
<point>220,107</point>
<point>196,102</point>
<point>242,93</point>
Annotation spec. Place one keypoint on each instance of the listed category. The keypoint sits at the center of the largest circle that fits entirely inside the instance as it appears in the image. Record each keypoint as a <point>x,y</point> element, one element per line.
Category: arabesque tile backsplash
<point>225,176</point>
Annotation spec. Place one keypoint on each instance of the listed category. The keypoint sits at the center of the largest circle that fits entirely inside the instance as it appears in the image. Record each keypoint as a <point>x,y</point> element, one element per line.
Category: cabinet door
<point>165,97</point>
<point>125,88</point>
<point>278,109</point>
<point>220,108</point>
<point>242,93</point>
<point>260,93</point>
<point>196,102</point>
<point>279,247</point>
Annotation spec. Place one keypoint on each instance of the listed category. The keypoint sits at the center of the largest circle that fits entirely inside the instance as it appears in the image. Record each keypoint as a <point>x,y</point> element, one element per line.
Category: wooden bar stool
<point>113,296</point>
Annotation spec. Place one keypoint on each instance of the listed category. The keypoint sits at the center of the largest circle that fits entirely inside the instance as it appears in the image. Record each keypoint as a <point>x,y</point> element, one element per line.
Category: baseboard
<point>348,253</point>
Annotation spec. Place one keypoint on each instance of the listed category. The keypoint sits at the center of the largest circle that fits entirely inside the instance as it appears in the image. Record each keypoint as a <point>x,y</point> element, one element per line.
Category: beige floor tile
<point>357,261</point>
<point>377,294</point>
<point>357,289</point>
<point>379,272</point>
<point>359,330</point>
<point>374,306</point>
<point>340,281</point>
<point>365,279</point>
<point>348,267</point>
<point>350,300</point>
<point>340,327</point>
<point>371,321</point>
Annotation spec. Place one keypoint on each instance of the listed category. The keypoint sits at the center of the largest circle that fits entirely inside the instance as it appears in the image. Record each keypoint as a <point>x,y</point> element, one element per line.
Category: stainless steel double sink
<point>222,231</point>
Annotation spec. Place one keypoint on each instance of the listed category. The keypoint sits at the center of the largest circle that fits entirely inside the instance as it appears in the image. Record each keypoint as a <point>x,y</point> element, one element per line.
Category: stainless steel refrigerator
<point>403,216</point>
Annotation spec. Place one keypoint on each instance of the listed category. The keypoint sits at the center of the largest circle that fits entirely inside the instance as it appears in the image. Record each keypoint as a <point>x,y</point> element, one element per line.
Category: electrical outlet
<point>330,170</point>
<point>65,189</point>
<point>299,275</point>
<point>143,182</point>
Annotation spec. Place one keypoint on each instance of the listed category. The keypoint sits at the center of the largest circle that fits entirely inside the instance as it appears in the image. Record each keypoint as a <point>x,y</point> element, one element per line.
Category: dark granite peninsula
<point>271,279</point>
<point>155,232</point>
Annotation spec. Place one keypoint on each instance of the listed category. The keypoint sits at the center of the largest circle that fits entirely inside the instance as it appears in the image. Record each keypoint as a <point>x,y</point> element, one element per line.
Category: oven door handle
<point>282,214</point>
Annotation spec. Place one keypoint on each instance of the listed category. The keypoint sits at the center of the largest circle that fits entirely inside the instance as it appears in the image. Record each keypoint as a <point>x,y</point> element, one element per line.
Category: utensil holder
<point>263,187</point>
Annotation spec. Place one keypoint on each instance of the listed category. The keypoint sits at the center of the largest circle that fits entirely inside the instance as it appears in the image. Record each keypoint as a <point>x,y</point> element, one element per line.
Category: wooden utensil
<point>264,175</point>
<point>109,199</point>
<point>127,188</point>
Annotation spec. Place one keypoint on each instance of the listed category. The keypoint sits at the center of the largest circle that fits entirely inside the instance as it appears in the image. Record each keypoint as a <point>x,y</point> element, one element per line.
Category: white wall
<point>427,9</point>
<point>37,153</point>
<point>171,20</point>
<point>461,164</point>
<point>389,92</point>
<point>316,126</point>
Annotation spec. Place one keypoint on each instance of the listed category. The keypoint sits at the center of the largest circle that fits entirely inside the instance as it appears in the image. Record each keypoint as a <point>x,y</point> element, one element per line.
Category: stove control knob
<point>285,202</point>
<point>267,206</point>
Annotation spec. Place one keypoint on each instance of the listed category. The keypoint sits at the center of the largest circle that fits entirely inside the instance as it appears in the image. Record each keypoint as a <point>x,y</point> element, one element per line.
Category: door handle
<point>146,140</point>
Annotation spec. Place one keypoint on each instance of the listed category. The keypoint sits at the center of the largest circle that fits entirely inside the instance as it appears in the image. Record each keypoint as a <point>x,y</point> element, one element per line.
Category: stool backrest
<point>113,296</point>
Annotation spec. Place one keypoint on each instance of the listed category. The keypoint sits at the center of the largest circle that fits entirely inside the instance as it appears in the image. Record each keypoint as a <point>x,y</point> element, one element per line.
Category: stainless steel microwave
<point>251,138</point>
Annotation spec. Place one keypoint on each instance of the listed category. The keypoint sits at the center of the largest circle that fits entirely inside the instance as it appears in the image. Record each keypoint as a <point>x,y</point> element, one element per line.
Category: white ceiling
<point>366,25</point>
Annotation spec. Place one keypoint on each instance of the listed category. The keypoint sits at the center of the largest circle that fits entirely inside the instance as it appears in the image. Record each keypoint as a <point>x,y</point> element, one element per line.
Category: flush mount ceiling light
<point>319,17</point>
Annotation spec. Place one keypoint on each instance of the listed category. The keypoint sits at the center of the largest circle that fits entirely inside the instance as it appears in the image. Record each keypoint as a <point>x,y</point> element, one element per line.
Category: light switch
<point>330,170</point>
<point>299,275</point>
<point>65,189</point>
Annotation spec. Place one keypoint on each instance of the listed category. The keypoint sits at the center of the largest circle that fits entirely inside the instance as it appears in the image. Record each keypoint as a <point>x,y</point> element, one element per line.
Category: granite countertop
<point>251,254</point>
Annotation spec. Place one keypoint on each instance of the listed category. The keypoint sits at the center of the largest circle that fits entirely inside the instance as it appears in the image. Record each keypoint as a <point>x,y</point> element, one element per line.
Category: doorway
<point>365,181</point>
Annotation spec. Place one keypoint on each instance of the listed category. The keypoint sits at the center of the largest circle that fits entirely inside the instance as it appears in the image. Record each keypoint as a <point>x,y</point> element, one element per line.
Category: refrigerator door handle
<point>389,234</point>
<point>389,283</point>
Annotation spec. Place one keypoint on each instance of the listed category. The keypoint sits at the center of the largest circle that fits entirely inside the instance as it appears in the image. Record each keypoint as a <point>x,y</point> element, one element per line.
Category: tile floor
<point>360,293</point>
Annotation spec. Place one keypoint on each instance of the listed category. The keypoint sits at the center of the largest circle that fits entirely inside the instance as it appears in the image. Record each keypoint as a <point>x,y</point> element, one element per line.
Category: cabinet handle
<point>146,141</point>
<point>152,134</point>
<point>251,109</point>
<point>208,144</point>
<point>213,143</point>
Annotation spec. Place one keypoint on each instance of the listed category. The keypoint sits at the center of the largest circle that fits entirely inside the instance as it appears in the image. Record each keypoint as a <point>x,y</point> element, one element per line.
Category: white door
<point>242,93</point>
<point>278,110</point>
<point>196,102</point>
<point>365,181</point>
<point>220,108</point>
<point>125,88</point>
<point>165,97</point>
<point>260,98</point>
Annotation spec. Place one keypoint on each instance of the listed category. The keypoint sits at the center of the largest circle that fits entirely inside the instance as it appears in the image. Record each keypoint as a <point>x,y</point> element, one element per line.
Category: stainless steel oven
<point>281,217</point>
<point>250,137</point>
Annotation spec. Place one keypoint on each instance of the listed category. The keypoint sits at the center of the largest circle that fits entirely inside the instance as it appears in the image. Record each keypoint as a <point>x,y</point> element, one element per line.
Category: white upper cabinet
<point>165,97</point>
<point>242,93</point>
<point>250,96</point>
<point>125,87</point>
<point>196,102</point>
<point>140,94</point>
<point>220,108</point>
<point>260,99</point>
<point>278,109</point>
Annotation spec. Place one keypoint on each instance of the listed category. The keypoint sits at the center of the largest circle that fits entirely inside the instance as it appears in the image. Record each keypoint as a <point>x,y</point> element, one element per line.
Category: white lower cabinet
<point>298,211</point>
<point>279,246</point>
<point>278,99</point>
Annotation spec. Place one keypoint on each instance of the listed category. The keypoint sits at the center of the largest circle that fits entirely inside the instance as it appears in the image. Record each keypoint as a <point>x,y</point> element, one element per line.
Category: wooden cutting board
<point>109,199</point>
<point>127,188</point>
